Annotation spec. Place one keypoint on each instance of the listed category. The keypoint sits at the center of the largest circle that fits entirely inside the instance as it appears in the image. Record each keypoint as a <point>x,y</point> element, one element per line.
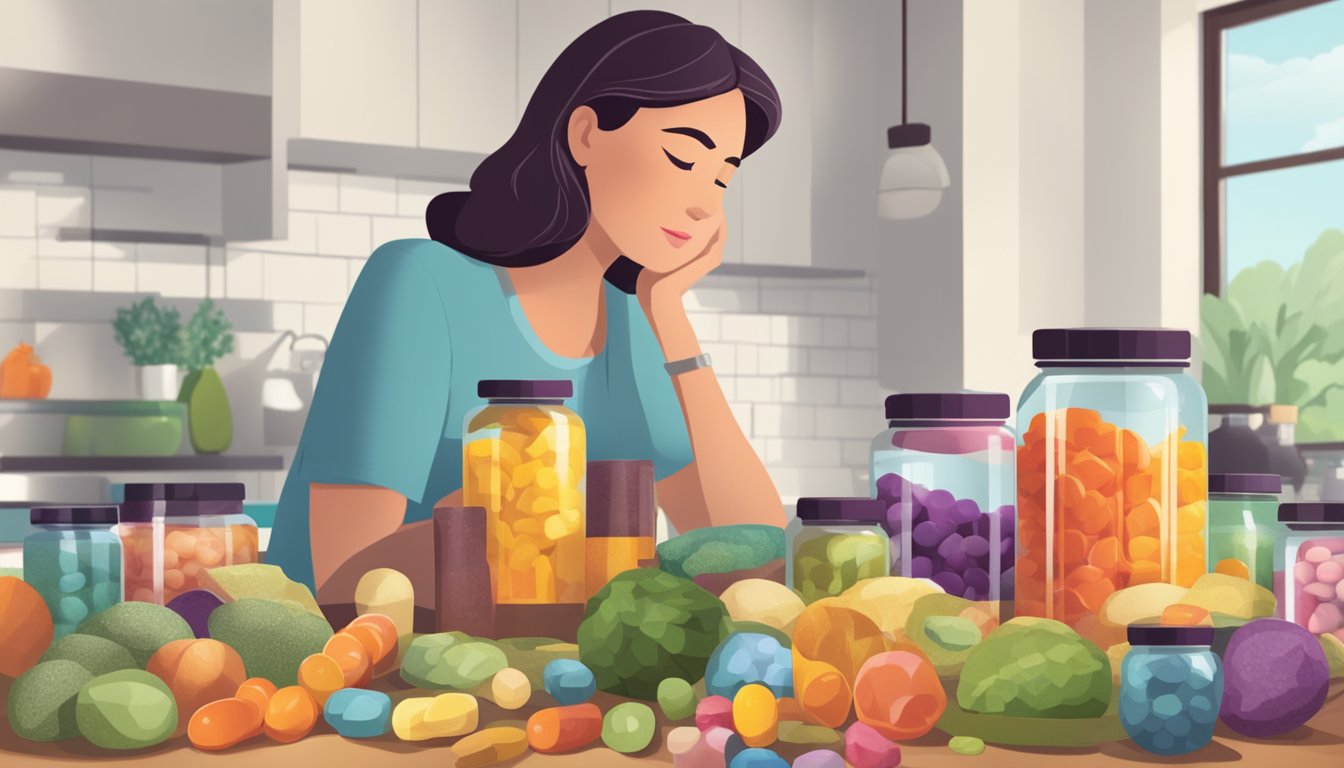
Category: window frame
<point>1213,172</point>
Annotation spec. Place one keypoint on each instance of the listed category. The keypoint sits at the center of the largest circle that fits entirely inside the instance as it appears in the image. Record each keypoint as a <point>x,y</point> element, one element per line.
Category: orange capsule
<point>320,675</point>
<point>1180,615</point>
<point>379,635</point>
<point>564,729</point>
<point>1233,567</point>
<point>223,723</point>
<point>290,715</point>
<point>257,690</point>
<point>349,653</point>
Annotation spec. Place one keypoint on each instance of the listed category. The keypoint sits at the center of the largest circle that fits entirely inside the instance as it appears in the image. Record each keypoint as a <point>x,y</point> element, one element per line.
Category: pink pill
<point>1304,572</point>
<point>1339,591</point>
<point>1326,618</point>
<point>714,711</point>
<point>1320,591</point>
<point>1330,572</point>
<point>717,738</point>
<point>1318,554</point>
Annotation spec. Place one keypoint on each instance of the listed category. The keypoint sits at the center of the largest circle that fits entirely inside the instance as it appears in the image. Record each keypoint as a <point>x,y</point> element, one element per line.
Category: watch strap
<point>676,367</point>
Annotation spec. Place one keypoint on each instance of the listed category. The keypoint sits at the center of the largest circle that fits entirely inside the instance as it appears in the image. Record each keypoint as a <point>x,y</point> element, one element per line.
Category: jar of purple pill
<point>944,468</point>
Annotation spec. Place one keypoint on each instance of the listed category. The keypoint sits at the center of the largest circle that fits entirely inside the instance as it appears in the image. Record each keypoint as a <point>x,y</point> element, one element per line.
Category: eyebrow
<point>736,162</point>
<point>694,133</point>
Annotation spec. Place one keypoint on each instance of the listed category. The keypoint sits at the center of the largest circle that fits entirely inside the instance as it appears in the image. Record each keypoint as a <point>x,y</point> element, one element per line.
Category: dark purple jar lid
<point>1245,483</point>
<point>1312,512</point>
<point>1155,634</point>
<point>100,515</point>
<point>525,389</point>
<point>142,501</point>
<point>948,406</point>
<point>1060,347</point>
<point>837,509</point>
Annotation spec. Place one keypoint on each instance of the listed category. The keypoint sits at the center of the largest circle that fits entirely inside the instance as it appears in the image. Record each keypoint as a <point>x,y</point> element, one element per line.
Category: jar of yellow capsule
<point>523,460</point>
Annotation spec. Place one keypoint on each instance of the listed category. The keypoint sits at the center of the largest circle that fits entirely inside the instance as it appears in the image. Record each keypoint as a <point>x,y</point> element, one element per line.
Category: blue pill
<point>756,757</point>
<point>569,681</point>
<point>359,714</point>
<point>72,582</point>
<point>1167,705</point>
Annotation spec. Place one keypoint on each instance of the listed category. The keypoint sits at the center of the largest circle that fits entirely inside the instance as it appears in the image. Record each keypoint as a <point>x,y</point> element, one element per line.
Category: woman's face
<point>656,183</point>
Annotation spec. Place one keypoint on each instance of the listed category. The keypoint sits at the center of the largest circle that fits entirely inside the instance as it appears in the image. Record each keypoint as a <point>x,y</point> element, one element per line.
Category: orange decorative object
<point>223,723</point>
<point>320,675</point>
<point>349,653</point>
<point>830,644</point>
<point>899,695</point>
<point>25,626</point>
<point>257,690</point>
<point>197,672</point>
<point>378,633</point>
<point>557,730</point>
<point>23,375</point>
<point>290,714</point>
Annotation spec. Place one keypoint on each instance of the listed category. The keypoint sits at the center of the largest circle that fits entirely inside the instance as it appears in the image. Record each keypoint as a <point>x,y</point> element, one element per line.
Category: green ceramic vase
<point>209,419</point>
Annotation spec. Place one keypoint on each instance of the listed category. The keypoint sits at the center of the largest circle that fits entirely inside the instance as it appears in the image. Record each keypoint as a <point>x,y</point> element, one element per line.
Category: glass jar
<point>173,532</point>
<point>1312,550</point>
<point>524,459</point>
<point>1111,472</point>
<point>944,471</point>
<point>73,559</point>
<point>1243,526</point>
<point>834,543</point>
<point>1171,687</point>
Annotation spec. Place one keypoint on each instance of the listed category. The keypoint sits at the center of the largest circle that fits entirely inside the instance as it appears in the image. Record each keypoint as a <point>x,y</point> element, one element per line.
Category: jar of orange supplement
<point>1112,473</point>
<point>172,532</point>
<point>523,458</point>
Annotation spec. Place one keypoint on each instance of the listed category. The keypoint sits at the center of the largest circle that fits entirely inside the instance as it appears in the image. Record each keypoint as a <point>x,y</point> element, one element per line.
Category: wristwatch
<point>676,367</point>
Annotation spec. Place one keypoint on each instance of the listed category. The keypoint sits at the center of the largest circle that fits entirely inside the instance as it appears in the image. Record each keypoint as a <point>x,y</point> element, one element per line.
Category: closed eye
<point>682,164</point>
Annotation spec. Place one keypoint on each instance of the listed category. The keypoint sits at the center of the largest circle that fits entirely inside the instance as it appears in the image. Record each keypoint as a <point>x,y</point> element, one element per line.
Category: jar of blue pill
<point>73,559</point>
<point>1171,686</point>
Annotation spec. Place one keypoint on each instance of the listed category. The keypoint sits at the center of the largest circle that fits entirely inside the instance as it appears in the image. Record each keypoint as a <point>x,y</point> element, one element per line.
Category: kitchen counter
<point>1320,743</point>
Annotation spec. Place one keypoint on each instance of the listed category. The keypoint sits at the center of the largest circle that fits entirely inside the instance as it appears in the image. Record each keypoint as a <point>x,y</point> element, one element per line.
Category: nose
<point>697,213</point>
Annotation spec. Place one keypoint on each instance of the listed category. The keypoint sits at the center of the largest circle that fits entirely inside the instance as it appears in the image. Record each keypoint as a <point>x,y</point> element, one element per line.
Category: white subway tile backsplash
<point>62,207</point>
<point>305,278</point>
<point>389,228</point>
<point>723,357</point>
<point>835,332</point>
<point>784,420</point>
<point>243,274</point>
<point>862,362</point>
<point>751,328</point>
<point>179,279</point>
<point>712,299</point>
<point>413,195</point>
<point>774,361</point>
<point>321,318</point>
<point>748,363</point>
<point>812,390</point>
<point>52,248</point>
<point>64,275</point>
<point>353,267</point>
<point>742,413</point>
<point>863,334</point>
<point>18,212</point>
<point>835,302</point>
<point>286,316</point>
<point>170,253</point>
<point>300,236</point>
<point>848,422</point>
<point>861,392</point>
<point>786,301</point>
<point>827,362</point>
<point>795,331</point>
<point>311,191</point>
<point>114,276</point>
<point>18,263</point>
<point>757,389</point>
<point>857,454</point>
<point>343,235</point>
<point>368,194</point>
<point>802,452</point>
<point>706,325</point>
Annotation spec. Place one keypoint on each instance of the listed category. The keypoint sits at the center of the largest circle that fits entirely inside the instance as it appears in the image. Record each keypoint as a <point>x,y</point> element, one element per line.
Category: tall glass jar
<point>172,533</point>
<point>1309,573</point>
<point>1171,686</point>
<point>944,471</point>
<point>833,543</point>
<point>1243,526</point>
<point>1111,472</point>
<point>524,461</point>
<point>73,559</point>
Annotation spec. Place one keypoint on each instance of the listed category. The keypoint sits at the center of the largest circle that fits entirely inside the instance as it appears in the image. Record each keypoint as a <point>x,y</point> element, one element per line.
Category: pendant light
<point>914,176</point>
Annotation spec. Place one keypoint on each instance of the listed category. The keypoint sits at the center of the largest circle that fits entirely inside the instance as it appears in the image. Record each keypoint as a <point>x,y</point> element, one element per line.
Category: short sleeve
<point>670,442</point>
<point>378,413</point>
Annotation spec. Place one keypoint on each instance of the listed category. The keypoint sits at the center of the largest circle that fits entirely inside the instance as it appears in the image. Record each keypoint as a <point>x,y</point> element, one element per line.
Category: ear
<point>582,130</point>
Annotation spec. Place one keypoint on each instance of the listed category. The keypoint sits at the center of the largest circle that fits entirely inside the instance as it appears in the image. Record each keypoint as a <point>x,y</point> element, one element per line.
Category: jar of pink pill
<point>1309,581</point>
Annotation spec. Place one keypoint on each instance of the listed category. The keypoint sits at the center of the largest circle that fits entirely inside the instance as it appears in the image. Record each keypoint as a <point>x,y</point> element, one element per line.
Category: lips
<point>676,237</point>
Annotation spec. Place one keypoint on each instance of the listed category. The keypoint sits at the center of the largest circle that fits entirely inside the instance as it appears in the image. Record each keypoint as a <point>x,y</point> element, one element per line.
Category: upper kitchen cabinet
<point>468,74</point>
<point>357,71</point>
<point>545,27</point>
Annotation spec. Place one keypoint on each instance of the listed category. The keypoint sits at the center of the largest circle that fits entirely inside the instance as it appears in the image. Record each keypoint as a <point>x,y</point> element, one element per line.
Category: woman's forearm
<point>733,481</point>
<point>343,520</point>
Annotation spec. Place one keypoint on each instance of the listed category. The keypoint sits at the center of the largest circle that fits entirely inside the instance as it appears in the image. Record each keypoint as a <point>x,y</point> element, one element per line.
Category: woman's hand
<point>660,295</point>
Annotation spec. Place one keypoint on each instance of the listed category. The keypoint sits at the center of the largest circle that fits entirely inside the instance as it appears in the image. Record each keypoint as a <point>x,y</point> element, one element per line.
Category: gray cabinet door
<point>357,79</point>
<point>545,28</point>
<point>468,74</point>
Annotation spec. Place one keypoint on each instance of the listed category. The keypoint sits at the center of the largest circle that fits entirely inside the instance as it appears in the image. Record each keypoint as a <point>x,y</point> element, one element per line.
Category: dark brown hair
<point>529,201</point>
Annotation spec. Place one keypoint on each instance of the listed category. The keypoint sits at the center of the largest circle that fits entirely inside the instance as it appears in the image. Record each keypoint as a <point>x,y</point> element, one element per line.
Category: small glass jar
<point>834,543</point>
<point>73,559</point>
<point>524,460</point>
<point>944,470</point>
<point>173,532</point>
<point>1112,473</point>
<point>1309,575</point>
<point>1171,687</point>
<point>1243,526</point>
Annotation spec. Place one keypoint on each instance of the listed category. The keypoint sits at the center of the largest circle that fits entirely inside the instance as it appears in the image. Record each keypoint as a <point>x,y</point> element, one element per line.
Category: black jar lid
<point>525,389</point>
<point>1063,347</point>
<point>94,515</point>
<point>1312,512</point>
<point>1245,483</point>
<point>1156,634</point>
<point>836,509</point>
<point>184,492</point>
<point>949,406</point>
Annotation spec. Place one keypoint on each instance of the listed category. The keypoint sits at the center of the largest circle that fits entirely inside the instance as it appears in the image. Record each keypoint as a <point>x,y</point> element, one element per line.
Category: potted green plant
<point>151,336</point>
<point>207,337</point>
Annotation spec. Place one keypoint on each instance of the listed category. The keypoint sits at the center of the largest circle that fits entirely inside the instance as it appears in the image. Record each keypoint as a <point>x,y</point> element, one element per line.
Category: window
<point>1272,318</point>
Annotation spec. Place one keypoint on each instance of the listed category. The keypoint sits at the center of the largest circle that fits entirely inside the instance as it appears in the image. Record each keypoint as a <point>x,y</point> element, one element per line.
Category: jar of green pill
<point>835,542</point>
<point>1243,525</point>
<point>73,559</point>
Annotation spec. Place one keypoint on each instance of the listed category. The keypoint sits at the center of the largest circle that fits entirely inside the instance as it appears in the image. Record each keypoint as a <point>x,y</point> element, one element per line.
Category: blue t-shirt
<point>422,325</point>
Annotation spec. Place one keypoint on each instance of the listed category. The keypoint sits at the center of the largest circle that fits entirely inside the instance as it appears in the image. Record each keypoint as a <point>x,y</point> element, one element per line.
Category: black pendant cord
<point>905,58</point>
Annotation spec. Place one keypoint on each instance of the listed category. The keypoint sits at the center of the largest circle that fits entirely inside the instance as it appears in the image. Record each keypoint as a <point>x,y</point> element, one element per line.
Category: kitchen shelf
<point>92,407</point>
<point>191,463</point>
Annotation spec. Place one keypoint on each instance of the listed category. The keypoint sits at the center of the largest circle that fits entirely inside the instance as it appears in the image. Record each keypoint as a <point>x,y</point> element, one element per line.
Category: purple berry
<point>965,511</point>
<point>975,546</point>
<point>950,581</point>
<point>927,534</point>
<point>977,578</point>
<point>921,567</point>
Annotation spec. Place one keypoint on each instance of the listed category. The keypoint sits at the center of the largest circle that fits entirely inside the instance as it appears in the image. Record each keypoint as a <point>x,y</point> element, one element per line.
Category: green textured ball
<point>676,698</point>
<point>42,701</point>
<point>96,654</point>
<point>628,727</point>
<point>129,709</point>
<point>273,637</point>
<point>140,628</point>
<point>721,549</point>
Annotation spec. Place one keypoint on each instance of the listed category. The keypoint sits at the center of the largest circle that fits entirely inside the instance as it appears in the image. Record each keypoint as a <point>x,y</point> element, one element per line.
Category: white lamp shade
<point>913,180</point>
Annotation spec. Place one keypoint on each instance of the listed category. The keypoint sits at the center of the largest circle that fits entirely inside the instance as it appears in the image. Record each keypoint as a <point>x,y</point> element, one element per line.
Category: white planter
<point>157,382</point>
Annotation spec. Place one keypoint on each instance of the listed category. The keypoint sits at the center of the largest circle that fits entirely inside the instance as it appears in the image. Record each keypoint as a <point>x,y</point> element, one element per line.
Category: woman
<point>568,259</point>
